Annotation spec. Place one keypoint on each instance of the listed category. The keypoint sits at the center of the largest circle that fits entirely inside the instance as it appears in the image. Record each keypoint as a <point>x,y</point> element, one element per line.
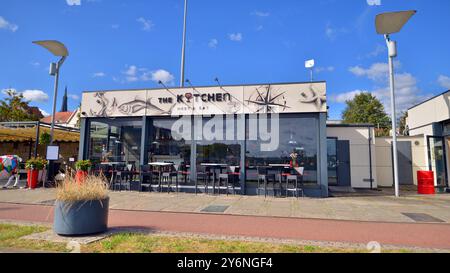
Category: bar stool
<point>265,178</point>
<point>204,175</point>
<point>296,189</point>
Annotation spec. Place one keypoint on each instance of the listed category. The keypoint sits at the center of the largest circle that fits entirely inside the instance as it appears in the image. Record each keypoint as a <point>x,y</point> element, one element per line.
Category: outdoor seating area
<point>211,178</point>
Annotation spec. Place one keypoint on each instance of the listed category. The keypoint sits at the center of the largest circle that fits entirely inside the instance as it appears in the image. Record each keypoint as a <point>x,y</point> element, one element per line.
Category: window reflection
<point>115,141</point>
<point>297,134</point>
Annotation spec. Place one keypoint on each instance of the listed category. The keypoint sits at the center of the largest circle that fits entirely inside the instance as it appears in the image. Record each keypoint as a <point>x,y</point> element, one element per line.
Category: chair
<point>145,174</point>
<point>295,189</point>
<point>205,175</point>
<point>184,172</point>
<point>229,178</point>
<point>168,175</point>
<point>120,176</point>
<point>265,178</point>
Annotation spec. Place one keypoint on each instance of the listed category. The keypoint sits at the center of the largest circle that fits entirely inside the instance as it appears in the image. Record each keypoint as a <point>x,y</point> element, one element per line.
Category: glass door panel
<point>437,160</point>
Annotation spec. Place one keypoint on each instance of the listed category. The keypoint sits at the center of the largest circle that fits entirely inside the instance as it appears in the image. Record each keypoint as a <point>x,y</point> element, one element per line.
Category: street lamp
<point>58,49</point>
<point>387,24</point>
<point>183,48</point>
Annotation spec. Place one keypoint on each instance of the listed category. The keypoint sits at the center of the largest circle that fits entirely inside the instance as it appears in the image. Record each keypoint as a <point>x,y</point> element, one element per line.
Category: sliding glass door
<point>437,160</point>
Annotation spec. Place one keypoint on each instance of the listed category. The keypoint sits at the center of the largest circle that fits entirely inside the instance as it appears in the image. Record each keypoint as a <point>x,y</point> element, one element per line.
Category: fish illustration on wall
<point>108,107</point>
<point>313,96</point>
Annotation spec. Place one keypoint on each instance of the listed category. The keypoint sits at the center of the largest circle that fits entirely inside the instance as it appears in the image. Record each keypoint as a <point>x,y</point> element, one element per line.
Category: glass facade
<point>297,134</point>
<point>288,139</point>
<point>115,140</point>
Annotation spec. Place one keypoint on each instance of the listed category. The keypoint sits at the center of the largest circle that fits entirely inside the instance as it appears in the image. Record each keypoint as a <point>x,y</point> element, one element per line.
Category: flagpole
<point>183,50</point>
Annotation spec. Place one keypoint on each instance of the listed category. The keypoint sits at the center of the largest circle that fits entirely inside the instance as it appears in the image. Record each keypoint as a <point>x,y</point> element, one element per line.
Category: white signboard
<point>216,100</point>
<point>52,152</point>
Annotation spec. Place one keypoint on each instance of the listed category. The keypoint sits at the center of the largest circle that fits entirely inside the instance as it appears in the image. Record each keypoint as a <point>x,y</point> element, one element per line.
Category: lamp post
<point>387,24</point>
<point>183,49</point>
<point>58,49</point>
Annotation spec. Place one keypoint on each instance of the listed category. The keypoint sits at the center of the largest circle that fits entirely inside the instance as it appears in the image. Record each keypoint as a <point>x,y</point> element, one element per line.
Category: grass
<point>10,237</point>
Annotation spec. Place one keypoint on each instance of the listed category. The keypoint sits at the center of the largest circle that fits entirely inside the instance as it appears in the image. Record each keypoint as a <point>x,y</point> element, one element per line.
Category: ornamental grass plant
<point>94,188</point>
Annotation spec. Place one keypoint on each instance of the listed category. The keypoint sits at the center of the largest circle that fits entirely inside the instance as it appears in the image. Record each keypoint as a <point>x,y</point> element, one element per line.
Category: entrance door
<point>437,160</point>
<point>343,170</point>
<point>405,169</point>
<point>332,161</point>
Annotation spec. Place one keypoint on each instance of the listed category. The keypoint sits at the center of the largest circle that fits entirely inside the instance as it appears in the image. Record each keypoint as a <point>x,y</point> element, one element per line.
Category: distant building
<point>64,118</point>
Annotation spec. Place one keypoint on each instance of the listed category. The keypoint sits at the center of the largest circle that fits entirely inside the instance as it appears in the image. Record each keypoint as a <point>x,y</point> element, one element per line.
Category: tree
<point>366,108</point>
<point>403,127</point>
<point>15,108</point>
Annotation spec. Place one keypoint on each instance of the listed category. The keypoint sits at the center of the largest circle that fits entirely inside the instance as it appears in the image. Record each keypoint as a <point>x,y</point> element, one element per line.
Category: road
<point>397,234</point>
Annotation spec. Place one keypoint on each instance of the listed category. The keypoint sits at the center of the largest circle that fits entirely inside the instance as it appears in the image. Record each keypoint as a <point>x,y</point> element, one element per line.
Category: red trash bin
<point>425,182</point>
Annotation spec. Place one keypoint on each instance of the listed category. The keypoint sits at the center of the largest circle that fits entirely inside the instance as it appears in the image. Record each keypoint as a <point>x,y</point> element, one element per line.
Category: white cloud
<point>374,2</point>
<point>35,95</point>
<point>44,113</point>
<point>407,93</point>
<point>35,64</point>
<point>343,97</point>
<point>324,69</point>
<point>163,76</point>
<point>147,24</point>
<point>333,32</point>
<point>73,2</point>
<point>73,96</point>
<point>236,37</point>
<point>444,81</point>
<point>260,13</point>
<point>7,25</point>
<point>99,75</point>
<point>213,43</point>
<point>135,74</point>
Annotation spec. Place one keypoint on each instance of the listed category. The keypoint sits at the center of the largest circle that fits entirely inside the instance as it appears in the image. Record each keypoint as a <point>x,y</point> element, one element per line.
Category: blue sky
<point>118,44</point>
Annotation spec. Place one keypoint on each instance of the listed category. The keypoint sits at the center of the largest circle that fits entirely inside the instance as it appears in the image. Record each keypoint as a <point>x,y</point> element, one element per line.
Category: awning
<point>25,132</point>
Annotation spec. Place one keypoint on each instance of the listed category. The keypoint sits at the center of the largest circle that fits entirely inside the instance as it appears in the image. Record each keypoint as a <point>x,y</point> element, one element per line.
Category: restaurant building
<point>246,127</point>
<point>430,121</point>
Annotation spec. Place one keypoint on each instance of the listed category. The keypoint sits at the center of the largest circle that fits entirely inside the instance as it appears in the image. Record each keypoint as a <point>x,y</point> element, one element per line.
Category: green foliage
<point>402,124</point>
<point>36,163</point>
<point>44,139</point>
<point>83,165</point>
<point>15,108</point>
<point>366,108</point>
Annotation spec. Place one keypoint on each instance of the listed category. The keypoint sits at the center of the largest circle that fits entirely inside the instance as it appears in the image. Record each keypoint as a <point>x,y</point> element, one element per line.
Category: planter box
<point>81,218</point>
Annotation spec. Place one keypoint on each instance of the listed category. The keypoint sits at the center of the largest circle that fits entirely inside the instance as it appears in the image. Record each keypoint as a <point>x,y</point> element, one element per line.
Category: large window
<point>214,146</point>
<point>165,144</point>
<point>296,134</point>
<point>115,140</point>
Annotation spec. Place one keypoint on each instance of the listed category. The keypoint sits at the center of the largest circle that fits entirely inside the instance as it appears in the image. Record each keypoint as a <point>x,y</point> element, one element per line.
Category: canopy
<point>23,132</point>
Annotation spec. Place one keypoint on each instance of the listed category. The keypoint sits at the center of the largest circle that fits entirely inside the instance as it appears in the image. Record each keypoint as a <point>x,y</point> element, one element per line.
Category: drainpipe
<point>370,158</point>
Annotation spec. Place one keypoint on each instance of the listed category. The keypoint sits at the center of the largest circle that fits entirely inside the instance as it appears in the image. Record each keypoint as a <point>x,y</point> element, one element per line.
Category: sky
<point>118,44</point>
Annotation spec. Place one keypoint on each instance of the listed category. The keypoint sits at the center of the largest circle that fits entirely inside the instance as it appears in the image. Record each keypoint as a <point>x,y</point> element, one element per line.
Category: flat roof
<point>355,125</point>
<point>432,98</point>
<point>204,86</point>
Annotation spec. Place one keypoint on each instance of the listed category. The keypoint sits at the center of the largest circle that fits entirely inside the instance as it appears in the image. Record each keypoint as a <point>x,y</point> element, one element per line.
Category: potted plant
<point>35,167</point>
<point>82,167</point>
<point>81,209</point>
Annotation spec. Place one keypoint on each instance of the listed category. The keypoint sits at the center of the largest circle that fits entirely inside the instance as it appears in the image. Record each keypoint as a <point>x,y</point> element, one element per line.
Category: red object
<point>32,179</point>
<point>425,182</point>
<point>81,176</point>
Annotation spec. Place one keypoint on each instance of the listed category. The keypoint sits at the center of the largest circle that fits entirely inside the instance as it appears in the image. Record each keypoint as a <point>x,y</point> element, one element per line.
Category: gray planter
<point>81,218</point>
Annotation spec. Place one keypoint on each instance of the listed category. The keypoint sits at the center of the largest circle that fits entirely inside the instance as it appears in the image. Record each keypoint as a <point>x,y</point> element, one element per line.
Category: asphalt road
<point>422,235</point>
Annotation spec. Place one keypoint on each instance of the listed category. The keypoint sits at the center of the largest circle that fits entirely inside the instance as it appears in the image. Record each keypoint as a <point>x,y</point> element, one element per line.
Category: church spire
<point>64,107</point>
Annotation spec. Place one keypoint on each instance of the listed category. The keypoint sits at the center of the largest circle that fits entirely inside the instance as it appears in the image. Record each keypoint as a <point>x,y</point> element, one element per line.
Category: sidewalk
<point>398,234</point>
<point>368,208</point>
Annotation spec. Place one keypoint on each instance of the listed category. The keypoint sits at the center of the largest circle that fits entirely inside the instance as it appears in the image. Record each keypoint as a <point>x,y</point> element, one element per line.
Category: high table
<point>160,165</point>
<point>280,168</point>
<point>215,166</point>
<point>112,164</point>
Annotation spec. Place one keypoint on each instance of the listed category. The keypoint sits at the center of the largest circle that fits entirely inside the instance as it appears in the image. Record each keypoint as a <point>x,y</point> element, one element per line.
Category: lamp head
<point>392,22</point>
<point>55,47</point>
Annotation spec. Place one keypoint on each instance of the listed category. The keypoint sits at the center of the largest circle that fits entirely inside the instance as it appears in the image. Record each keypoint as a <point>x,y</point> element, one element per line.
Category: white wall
<point>434,110</point>
<point>384,158</point>
<point>359,153</point>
